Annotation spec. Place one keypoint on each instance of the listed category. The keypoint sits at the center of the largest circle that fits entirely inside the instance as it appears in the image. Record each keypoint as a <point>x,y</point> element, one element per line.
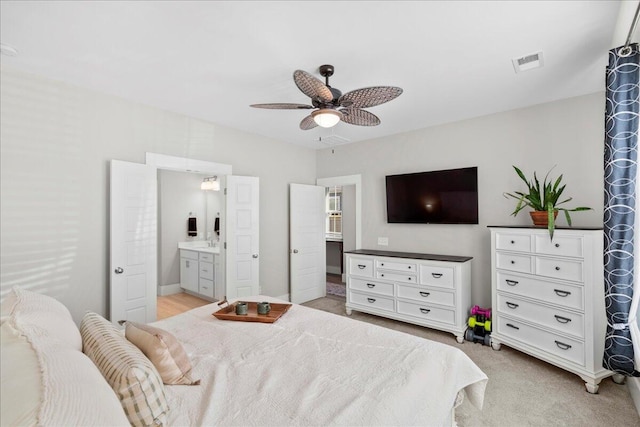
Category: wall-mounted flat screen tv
<point>435,197</point>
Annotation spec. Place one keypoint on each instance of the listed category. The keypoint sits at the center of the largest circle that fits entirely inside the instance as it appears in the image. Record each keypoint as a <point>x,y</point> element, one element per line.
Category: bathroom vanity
<point>200,269</point>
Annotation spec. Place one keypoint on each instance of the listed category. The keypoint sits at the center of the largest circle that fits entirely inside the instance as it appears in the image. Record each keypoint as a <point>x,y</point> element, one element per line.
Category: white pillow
<point>31,309</point>
<point>46,382</point>
<point>7,306</point>
<point>21,379</point>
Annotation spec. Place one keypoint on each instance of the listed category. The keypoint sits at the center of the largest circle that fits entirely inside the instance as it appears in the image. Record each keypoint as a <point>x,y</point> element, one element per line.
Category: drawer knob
<point>513,242</point>
<point>557,245</point>
<point>409,267</point>
<point>371,285</point>
<point>511,282</point>
<point>371,300</point>
<point>382,264</point>
<point>424,310</point>
<point>562,319</point>
<point>513,262</point>
<point>409,278</point>
<point>557,268</point>
<point>512,305</point>
<point>513,326</point>
<point>562,293</point>
<point>562,346</point>
<point>361,266</point>
<point>382,275</point>
<point>424,294</point>
<point>436,275</point>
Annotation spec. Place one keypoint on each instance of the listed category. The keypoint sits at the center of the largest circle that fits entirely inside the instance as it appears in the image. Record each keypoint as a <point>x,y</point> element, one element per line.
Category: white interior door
<point>243,237</point>
<point>133,272</point>
<point>308,244</point>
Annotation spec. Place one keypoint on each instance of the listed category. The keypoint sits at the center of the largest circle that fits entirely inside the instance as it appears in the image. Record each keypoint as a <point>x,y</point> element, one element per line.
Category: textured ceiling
<point>211,60</point>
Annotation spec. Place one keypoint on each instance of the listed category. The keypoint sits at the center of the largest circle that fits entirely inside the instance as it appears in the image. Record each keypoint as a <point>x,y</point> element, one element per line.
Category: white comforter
<point>312,368</point>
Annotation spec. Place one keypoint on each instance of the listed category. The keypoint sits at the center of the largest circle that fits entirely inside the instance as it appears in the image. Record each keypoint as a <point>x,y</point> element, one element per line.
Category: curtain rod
<point>626,50</point>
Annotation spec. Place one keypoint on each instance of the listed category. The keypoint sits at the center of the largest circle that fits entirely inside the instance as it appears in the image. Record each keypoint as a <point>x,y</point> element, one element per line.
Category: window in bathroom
<point>334,212</point>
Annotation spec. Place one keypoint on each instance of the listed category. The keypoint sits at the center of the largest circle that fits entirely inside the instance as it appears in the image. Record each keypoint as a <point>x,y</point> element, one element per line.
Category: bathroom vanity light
<point>210,184</point>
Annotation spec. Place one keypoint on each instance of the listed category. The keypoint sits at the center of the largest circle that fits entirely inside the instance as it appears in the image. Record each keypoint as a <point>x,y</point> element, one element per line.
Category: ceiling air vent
<point>528,62</point>
<point>333,140</point>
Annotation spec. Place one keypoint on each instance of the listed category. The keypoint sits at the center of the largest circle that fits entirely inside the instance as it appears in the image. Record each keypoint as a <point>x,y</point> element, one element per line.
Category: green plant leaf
<point>543,198</point>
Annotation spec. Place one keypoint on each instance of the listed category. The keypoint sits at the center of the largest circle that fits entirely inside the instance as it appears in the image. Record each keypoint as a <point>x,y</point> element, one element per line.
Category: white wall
<point>566,133</point>
<point>179,194</point>
<point>349,217</point>
<point>56,144</point>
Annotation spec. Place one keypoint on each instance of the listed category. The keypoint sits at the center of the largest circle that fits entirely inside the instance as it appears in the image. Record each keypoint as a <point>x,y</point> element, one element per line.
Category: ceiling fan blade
<point>282,106</point>
<point>369,96</point>
<point>308,123</point>
<point>311,86</point>
<point>356,116</point>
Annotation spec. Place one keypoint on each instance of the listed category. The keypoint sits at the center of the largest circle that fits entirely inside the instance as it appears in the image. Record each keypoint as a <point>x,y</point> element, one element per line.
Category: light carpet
<point>522,390</point>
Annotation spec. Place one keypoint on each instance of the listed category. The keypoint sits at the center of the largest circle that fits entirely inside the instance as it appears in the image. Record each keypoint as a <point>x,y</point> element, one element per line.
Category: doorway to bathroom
<point>342,227</point>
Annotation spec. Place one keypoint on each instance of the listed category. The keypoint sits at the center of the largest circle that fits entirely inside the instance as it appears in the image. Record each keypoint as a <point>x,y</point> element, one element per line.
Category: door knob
<point>295,251</point>
<point>255,255</point>
<point>119,270</point>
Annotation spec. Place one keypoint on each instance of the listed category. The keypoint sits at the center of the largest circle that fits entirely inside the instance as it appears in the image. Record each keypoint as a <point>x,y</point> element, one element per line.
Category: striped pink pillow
<point>163,350</point>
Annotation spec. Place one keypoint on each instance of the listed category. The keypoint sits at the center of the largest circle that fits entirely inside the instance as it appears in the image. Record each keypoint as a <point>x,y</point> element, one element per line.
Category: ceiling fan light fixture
<point>326,117</point>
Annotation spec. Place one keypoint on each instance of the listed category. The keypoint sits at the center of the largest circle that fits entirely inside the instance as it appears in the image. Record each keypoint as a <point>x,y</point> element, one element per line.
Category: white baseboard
<point>634,388</point>
<point>165,290</point>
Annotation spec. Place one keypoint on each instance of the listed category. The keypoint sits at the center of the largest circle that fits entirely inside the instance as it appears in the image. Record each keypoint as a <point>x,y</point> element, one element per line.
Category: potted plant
<point>544,200</point>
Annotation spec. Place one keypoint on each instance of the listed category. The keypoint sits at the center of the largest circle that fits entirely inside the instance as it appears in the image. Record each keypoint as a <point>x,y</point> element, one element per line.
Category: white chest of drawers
<point>548,297</point>
<point>427,290</point>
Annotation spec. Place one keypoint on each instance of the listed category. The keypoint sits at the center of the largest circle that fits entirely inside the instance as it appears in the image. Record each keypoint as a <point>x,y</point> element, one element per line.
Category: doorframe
<point>183,164</point>
<point>348,180</point>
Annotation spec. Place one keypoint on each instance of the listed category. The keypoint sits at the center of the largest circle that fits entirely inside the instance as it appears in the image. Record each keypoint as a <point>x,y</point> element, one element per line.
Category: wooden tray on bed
<point>229,313</point>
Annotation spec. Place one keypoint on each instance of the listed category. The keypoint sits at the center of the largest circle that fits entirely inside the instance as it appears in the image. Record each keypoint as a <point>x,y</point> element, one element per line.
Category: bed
<point>308,368</point>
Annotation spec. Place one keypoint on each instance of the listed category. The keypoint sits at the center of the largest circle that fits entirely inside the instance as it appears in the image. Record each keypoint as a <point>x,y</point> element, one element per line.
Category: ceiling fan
<point>331,105</point>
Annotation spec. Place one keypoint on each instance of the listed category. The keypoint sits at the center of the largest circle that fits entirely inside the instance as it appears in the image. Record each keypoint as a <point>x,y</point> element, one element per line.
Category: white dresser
<point>427,290</point>
<point>548,297</point>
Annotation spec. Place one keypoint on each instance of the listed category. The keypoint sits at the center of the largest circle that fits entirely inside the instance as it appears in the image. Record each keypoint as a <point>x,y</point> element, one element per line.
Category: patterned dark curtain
<point>620,212</point>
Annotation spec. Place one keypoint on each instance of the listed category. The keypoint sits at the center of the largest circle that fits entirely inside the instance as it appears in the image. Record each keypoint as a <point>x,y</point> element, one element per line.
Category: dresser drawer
<point>562,294</point>
<point>559,269</point>
<point>513,262</point>
<point>206,270</point>
<point>361,267</point>
<point>426,295</point>
<point>560,320</point>
<point>396,266</point>
<point>427,312</point>
<point>188,254</point>
<point>372,300</point>
<point>397,277</point>
<point>371,286</point>
<point>557,345</point>
<point>206,257</point>
<point>206,287</point>
<point>561,246</point>
<point>437,276</point>
<point>513,242</point>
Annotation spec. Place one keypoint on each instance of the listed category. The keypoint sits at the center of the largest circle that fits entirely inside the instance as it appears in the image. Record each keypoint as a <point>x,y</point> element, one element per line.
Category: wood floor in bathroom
<point>170,305</point>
